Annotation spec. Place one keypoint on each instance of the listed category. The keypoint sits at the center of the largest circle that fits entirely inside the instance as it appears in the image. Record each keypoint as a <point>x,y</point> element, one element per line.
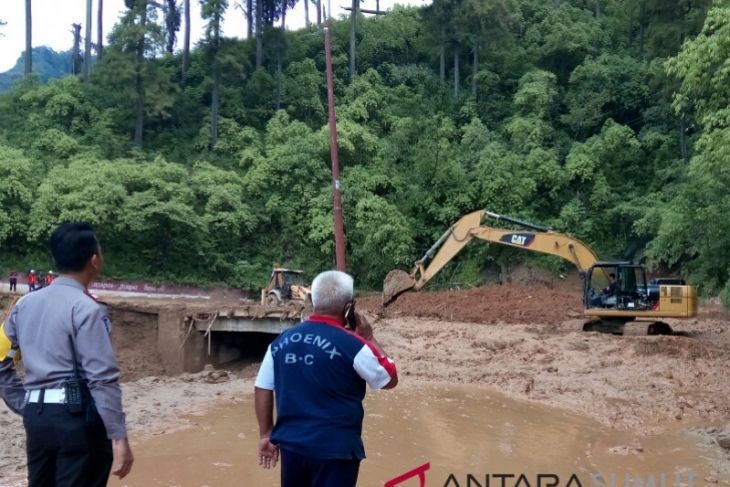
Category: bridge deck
<point>241,320</point>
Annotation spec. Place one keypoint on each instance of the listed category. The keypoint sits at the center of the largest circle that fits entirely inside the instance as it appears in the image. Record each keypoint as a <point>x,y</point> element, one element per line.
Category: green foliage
<point>536,93</point>
<point>573,120</point>
<point>17,181</point>
<point>603,88</point>
<point>693,228</point>
<point>560,37</point>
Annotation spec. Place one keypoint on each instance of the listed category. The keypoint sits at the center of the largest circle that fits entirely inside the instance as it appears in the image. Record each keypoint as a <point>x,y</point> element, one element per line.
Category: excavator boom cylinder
<point>521,223</point>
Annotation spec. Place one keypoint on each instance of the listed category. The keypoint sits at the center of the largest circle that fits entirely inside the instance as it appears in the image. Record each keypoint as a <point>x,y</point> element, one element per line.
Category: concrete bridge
<point>189,337</point>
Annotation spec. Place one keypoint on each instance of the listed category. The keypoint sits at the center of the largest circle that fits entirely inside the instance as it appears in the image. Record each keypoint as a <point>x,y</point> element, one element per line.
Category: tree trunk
<point>278,81</point>
<point>642,27</point>
<point>186,43</point>
<point>283,16</point>
<point>319,12</point>
<point>597,7</point>
<point>215,107</point>
<point>100,30</point>
<point>249,19</point>
<point>683,145</point>
<point>28,38</point>
<point>139,125</point>
<point>442,56</point>
<point>353,26</point>
<point>456,71</point>
<point>76,51</point>
<point>475,70</point>
<point>87,42</point>
<point>170,25</point>
<point>259,35</point>
<point>215,98</point>
<point>306,12</point>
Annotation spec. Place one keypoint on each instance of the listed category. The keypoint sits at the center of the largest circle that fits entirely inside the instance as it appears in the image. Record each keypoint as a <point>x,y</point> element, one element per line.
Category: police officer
<point>72,407</point>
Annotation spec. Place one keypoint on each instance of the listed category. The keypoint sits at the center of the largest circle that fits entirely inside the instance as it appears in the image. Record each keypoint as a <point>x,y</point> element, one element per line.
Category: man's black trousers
<point>63,450</point>
<point>301,471</point>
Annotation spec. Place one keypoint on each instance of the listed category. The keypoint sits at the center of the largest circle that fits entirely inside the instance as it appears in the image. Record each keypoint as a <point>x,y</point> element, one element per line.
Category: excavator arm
<point>469,227</point>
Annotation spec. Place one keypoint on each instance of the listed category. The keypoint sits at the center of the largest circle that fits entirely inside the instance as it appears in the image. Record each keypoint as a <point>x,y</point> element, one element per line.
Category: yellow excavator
<point>614,292</point>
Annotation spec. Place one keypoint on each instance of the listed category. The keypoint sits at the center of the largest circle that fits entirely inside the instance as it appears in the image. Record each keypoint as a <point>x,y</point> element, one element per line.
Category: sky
<point>52,21</point>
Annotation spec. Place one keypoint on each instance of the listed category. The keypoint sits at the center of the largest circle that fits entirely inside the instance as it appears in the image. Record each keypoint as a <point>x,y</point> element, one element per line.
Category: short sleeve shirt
<point>318,371</point>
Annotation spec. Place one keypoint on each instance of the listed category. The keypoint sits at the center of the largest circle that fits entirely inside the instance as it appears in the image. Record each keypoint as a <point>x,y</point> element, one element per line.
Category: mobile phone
<point>350,320</point>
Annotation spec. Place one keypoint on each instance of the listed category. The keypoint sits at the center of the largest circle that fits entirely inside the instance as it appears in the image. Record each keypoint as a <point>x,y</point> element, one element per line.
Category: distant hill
<point>47,64</point>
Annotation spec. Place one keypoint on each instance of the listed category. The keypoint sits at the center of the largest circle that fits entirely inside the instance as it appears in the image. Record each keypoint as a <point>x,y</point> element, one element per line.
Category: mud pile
<point>509,303</point>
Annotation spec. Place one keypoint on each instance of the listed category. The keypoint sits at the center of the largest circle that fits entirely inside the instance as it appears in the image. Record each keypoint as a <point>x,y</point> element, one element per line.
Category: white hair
<point>332,290</point>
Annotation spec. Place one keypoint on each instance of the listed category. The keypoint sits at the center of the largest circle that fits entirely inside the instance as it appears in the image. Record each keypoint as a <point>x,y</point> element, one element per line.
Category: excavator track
<point>614,327</point>
<point>659,328</point>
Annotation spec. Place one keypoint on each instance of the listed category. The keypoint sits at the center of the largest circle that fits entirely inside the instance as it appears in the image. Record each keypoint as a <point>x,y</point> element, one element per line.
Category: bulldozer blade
<point>396,283</point>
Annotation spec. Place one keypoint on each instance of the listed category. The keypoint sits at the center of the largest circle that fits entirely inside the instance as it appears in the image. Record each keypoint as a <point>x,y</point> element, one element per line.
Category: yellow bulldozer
<point>614,292</point>
<point>286,286</point>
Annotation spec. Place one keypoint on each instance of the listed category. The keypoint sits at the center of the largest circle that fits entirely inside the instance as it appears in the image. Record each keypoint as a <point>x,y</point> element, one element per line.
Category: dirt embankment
<point>509,303</point>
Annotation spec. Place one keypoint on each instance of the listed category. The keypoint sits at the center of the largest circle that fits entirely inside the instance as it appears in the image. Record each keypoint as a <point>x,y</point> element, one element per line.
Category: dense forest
<point>607,119</point>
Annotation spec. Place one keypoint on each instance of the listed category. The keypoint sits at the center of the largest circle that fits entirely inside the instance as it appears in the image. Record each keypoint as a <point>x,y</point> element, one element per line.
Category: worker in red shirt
<point>49,278</point>
<point>32,281</point>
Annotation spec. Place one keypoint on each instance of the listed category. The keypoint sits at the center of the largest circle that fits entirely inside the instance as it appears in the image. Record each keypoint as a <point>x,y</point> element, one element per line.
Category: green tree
<point>606,175</point>
<point>18,181</point>
<point>562,37</point>
<point>159,217</point>
<point>213,11</point>
<point>693,227</point>
<point>303,92</point>
<point>609,86</point>
<point>125,73</point>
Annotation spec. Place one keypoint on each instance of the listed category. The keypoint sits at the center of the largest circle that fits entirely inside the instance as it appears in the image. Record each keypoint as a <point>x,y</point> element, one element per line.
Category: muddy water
<point>460,430</point>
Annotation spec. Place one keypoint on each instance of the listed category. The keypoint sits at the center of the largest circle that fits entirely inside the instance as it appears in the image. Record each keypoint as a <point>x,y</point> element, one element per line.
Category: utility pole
<point>334,156</point>
<point>76,52</point>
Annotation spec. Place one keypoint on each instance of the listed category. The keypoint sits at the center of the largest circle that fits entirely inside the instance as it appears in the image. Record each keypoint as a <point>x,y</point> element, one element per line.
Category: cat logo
<point>518,239</point>
<point>521,239</point>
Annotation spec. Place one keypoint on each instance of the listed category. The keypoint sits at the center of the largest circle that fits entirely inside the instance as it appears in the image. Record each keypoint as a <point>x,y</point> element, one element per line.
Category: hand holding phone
<point>350,317</point>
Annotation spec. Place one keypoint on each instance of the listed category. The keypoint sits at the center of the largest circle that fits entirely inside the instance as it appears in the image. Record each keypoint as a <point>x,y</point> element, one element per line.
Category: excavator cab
<point>617,285</point>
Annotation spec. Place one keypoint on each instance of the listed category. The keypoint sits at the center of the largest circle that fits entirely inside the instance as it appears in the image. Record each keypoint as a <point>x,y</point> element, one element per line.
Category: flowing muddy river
<point>461,431</point>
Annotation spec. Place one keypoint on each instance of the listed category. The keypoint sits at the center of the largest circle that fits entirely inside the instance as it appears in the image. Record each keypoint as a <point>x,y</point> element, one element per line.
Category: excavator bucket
<point>396,283</point>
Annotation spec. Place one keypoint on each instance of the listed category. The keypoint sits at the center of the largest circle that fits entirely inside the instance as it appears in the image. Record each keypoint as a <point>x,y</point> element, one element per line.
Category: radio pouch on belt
<point>75,387</point>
